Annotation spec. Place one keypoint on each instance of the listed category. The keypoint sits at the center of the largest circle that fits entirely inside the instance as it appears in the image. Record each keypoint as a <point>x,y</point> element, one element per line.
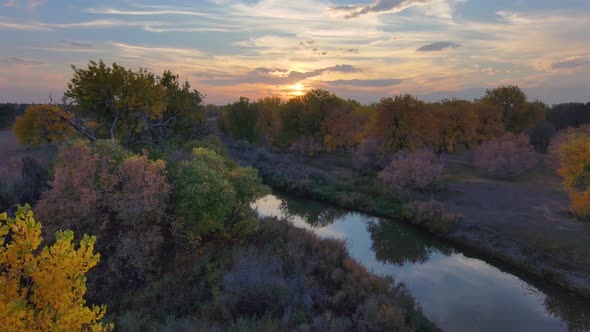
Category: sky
<point>358,49</point>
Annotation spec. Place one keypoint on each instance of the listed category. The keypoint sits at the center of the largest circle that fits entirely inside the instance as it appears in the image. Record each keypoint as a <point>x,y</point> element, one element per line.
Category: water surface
<point>456,292</point>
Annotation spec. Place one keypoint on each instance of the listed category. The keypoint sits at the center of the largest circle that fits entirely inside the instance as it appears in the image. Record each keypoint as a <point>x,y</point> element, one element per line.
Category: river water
<point>457,290</point>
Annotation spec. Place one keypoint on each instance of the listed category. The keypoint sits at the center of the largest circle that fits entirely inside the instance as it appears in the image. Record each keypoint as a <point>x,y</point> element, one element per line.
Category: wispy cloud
<point>22,61</point>
<point>438,46</point>
<point>570,63</point>
<point>367,83</point>
<point>379,6</point>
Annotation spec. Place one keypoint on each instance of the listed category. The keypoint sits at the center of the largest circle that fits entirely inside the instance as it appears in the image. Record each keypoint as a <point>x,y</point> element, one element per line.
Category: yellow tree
<point>42,124</point>
<point>44,290</point>
<point>575,170</point>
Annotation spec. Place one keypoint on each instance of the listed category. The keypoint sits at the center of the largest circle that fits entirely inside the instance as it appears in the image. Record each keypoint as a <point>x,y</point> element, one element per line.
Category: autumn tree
<point>490,122</point>
<point>42,124</point>
<point>268,126</point>
<point>344,127</point>
<point>454,122</point>
<point>134,107</point>
<point>104,189</point>
<point>518,114</point>
<point>43,290</point>
<point>397,122</point>
<point>575,171</point>
<point>419,171</point>
<point>240,119</point>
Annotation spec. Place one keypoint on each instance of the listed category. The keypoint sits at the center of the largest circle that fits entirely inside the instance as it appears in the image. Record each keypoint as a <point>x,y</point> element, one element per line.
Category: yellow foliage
<point>575,162</point>
<point>580,203</point>
<point>44,291</point>
<point>42,124</point>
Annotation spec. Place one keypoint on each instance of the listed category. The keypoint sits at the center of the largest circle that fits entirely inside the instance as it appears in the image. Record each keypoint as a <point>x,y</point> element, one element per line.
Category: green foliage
<point>518,114</point>
<point>7,115</point>
<point>213,195</point>
<point>239,120</point>
<point>134,107</point>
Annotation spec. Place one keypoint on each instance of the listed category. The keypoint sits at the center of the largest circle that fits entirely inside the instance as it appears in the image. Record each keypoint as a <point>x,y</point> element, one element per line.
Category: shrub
<point>432,215</point>
<point>122,198</point>
<point>419,171</point>
<point>505,156</point>
<point>553,158</point>
<point>575,170</point>
<point>213,195</point>
<point>369,156</point>
<point>308,146</point>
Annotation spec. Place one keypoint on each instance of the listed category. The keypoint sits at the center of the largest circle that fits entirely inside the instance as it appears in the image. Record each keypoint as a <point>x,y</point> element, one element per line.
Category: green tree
<point>518,114</point>
<point>134,107</point>
<point>240,119</point>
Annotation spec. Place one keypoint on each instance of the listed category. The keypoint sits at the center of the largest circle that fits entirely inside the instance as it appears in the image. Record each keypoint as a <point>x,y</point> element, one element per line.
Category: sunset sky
<point>357,49</point>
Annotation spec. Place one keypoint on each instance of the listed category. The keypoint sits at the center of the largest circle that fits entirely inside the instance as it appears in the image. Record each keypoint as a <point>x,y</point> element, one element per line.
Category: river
<point>456,290</point>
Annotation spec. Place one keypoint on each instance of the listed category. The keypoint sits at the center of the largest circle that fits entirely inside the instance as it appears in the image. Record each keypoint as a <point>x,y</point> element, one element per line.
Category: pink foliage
<point>553,158</point>
<point>419,171</point>
<point>505,156</point>
<point>369,155</point>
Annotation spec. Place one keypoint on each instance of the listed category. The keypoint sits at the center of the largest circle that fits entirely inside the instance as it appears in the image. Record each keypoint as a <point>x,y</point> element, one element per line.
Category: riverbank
<point>519,223</point>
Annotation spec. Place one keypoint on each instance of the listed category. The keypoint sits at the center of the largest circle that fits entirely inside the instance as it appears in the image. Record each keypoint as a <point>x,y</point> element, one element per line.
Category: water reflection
<point>395,244</point>
<point>458,293</point>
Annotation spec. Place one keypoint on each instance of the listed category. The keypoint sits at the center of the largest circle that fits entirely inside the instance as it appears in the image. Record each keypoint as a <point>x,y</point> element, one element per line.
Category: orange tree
<point>575,170</point>
<point>42,124</point>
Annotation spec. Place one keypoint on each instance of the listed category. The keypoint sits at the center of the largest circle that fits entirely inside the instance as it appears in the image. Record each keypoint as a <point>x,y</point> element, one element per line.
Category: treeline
<point>321,121</point>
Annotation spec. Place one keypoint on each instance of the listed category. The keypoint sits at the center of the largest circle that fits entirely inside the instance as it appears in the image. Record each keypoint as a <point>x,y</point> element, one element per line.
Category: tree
<point>269,126</point>
<point>454,122</point>
<point>240,119</point>
<point>134,107</point>
<point>518,114</point>
<point>42,124</point>
<point>505,156</point>
<point>491,121</point>
<point>344,126</point>
<point>575,171</point>
<point>44,290</point>
<point>7,115</point>
<point>397,122</point>
<point>213,196</point>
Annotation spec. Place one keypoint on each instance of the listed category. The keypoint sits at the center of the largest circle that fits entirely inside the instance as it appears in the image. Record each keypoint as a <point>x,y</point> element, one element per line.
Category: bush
<point>432,215</point>
<point>506,156</point>
<point>419,171</point>
<point>213,195</point>
<point>307,146</point>
<point>553,158</point>
<point>105,190</point>
<point>575,170</point>
<point>369,156</point>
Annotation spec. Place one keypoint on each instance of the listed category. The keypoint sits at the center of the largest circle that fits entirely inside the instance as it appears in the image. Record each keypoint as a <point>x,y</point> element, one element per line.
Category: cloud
<point>76,44</point>
<point>379,6</point>
<point>261,75</point>
<point>113,11</point>
<point>367,83</point>
<point>24,62</point>
<point>438,46</point>
<point>571,63</point>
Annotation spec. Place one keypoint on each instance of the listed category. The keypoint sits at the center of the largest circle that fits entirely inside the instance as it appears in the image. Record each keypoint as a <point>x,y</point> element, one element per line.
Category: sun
<point>297,89</point>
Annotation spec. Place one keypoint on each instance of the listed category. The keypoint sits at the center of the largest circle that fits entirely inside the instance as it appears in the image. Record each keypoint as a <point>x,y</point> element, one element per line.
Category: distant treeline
<point>321,121</point>
<point>9,111</point>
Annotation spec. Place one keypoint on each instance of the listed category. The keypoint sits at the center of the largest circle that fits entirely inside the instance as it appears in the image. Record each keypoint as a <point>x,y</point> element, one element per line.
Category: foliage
<point>518,114</point>
<point>122,198</point>
<point>369,155</point>
<point>506,156</point>
<point>569,115</point>
<point>575,171</point>
<point>562,137</point>
<point>397,122</point>
<point>454,122</point>
<point>213,195</point>
<point>44,290</point>
<point>541,135</point>
<point>432,215</point>
<point>132,106</point>
<point>308,146</point>
<point>419,171</point>
<point>7,115</point>
<point>42,124</point>
<point>240,120</point>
